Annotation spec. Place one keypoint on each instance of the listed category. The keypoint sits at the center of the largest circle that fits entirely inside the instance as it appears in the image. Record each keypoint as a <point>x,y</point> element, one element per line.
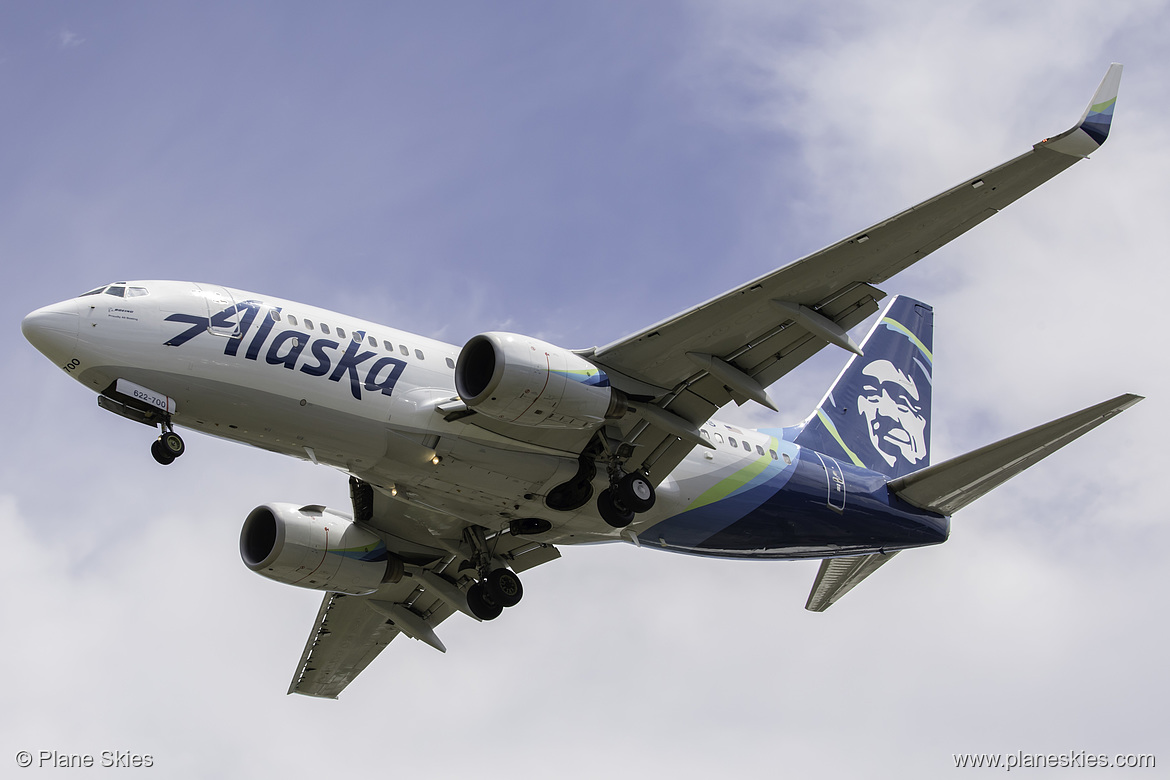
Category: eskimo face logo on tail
<point>877,413</point>
<point>892,407</point>
<point>287,347</point>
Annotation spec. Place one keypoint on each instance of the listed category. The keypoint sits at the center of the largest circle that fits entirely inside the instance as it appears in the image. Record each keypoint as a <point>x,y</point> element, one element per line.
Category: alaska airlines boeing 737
<point>469,465</point>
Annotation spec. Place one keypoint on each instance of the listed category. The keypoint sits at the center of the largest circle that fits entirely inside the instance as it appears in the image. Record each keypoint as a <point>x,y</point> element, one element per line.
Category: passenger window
<point>418,354</point>
<point>787,460</point>
<point>450,363</point>
<point>341,333</point>
<point>292,320</point>
<point>373,341</point>
<point>747,446</point>
<point>356,336</point>
<point>325,330</point>
<point>308,324</point>
<point>705,435</point>
<point>773,454</point>
<point>389,347</point>
<point>733,442</point>
<point>402,348</point>
<point>719,438</point>
<point>274,314</point>
<point>759,450</point>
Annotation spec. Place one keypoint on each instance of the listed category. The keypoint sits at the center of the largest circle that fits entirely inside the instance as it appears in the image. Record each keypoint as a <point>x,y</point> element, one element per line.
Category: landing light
<point>436,460</point>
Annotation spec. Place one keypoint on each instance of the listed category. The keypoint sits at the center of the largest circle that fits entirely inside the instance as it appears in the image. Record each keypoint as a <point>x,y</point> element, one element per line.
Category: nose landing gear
<point>167,446</point>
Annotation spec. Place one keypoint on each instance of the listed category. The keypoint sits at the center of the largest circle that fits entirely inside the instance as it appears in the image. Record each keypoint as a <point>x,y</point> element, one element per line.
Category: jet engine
<point>525,381</point>
<point>315,547</point>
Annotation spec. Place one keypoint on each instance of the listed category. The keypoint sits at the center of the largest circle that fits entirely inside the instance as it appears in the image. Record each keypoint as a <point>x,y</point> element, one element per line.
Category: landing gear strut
<point>168,446</point>
<point>498,586</point>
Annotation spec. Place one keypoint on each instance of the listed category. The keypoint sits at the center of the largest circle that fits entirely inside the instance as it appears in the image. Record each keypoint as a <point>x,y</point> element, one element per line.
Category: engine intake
<point>525,381</point>
<point>317,548</point>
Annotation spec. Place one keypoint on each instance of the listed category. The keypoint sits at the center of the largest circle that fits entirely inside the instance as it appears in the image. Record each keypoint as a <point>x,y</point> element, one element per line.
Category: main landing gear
<point>627,495</point>
<point>498,587</point>
<point>167,446</point>
<point>489,597</point>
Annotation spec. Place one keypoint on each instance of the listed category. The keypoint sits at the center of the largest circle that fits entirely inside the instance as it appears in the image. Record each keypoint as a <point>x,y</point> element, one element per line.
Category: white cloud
<point>67,39</point>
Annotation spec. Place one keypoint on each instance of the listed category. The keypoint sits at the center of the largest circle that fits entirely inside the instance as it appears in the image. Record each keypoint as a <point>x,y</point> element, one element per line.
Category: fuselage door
<point>835,482</point>
<point>223,312</point>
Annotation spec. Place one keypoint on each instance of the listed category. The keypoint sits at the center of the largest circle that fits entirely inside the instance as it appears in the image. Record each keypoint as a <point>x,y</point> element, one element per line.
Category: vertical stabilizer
<point>877,413</point>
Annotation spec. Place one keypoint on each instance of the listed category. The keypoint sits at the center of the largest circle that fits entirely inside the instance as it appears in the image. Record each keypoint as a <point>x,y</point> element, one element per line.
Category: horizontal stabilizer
<point>837,576</point>
<point>949,486</point>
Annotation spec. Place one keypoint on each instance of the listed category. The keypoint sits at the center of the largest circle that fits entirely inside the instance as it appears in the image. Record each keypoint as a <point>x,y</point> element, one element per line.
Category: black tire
<point>612,511</point>
<point>160,454</point>
<point>636,492</point>
<point>481,604</point>
<point>172,443</point>
<point>504,588</point>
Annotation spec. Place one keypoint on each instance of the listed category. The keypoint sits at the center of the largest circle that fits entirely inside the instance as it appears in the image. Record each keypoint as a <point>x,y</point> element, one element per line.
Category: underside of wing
<point>346,637</point>
<point>351,630</point>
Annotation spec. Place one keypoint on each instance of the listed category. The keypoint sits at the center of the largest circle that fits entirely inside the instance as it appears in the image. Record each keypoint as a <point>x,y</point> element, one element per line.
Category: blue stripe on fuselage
<point>788,516</point>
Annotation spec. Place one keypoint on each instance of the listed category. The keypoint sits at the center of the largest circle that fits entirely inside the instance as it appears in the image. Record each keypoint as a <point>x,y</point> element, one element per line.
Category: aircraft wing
<point>346,637</point>
<point>350,631</point>
<point>733,346</point>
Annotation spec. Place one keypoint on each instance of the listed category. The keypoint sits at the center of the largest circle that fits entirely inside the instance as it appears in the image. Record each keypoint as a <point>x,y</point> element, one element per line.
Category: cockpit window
<point>118,290</point>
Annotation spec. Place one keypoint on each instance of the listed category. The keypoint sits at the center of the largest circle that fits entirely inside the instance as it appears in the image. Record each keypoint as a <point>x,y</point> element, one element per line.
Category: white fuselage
<point>348,393</point>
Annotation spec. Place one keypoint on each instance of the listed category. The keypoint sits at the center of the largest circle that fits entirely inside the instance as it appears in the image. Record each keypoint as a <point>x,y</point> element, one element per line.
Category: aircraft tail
<point>877,413</point>
<point>951,485</point>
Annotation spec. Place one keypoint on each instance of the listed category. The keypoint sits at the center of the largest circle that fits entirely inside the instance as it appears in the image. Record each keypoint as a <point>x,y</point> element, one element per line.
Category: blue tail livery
<point>877,414</point>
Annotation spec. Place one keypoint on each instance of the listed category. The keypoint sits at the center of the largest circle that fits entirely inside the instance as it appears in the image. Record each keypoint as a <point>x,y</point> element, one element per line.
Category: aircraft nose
<point>53,330</point>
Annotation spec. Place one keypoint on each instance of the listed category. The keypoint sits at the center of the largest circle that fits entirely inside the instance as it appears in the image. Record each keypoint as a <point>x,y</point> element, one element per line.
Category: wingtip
<point>1088,134</point>
<point>1099,115</point>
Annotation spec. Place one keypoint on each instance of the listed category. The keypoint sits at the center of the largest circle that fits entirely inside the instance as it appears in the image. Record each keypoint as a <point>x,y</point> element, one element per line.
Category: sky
<point>577,172</point>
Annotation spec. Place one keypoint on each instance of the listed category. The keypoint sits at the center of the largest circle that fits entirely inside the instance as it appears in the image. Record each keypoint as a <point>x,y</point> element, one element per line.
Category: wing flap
<point>838,576</point>
<point>949,486</point>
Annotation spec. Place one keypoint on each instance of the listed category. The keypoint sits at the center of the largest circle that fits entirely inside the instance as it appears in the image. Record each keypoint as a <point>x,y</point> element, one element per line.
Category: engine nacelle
<point>314,547</point>
<point>522,380</point>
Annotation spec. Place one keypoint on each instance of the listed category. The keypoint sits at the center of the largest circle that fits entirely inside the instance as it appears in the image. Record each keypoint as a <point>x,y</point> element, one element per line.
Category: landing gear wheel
<point>504,588</point>
<point>613,511</point>
<point>481,604</point>
<point>635,492</point>
<point>160,454</point>
<point>172,444</point>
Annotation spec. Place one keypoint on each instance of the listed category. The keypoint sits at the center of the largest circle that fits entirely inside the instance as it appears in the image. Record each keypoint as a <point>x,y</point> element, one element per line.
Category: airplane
<point>469,465</point>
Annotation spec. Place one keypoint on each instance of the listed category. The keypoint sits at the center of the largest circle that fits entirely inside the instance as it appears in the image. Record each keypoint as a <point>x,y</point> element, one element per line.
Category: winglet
<point>1093,128</point>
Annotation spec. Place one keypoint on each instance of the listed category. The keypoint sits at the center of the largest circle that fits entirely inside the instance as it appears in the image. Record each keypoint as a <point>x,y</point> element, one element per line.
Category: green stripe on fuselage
<point>736,481</point>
